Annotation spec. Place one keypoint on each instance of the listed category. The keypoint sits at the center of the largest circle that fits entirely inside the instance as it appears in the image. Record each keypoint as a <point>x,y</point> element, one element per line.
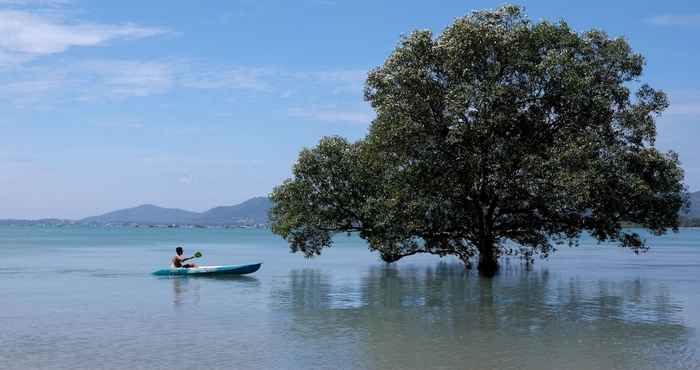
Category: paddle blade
<point>198,254</point>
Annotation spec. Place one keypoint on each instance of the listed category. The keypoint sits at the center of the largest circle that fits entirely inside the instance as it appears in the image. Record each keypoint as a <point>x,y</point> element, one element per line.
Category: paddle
<point>197,254</point>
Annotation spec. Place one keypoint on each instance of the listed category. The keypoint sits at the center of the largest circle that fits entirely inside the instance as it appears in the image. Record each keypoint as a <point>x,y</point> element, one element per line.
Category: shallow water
<point>83,298</point>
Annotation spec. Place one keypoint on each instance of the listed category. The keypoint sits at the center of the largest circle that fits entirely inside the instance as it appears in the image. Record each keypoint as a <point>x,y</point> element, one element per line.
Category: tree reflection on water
<point>445,317</point>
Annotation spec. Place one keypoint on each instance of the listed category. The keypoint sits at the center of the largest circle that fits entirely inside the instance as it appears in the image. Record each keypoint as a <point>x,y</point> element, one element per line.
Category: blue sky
<point>107,105</point>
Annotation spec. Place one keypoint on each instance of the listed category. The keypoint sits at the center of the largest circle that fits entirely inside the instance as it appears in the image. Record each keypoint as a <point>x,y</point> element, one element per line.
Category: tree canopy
<point>499,136</point>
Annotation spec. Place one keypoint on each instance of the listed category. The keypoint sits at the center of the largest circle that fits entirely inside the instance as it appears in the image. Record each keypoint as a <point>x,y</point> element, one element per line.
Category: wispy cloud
<point>26,35</point>
<point>90,80</point>
<point>26,87</point>
<point>39,3</point>
<point>684,109</point>
<point>323,2</point>
<point>125,78</point>
<point>237,77</point>
<point>676,20</point>
<point>126,125</point>
<point>184,161</point>
<point>16,159</point>
<point>31,87</point>
<point>341,80</point>
<point>186,179</point>
<point>685,103</point>
<point>331,114</point>
<point>262,78</point>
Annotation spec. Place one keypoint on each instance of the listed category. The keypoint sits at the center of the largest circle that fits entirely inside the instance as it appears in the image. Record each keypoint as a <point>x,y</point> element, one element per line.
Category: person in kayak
<point>178,260</point>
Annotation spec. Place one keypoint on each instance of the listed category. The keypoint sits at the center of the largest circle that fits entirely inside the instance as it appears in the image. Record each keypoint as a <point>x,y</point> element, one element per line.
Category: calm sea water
<point>83,298</point>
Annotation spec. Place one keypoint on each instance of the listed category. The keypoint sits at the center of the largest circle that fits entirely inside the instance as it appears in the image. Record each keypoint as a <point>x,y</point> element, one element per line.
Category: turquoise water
<point>83,298</point>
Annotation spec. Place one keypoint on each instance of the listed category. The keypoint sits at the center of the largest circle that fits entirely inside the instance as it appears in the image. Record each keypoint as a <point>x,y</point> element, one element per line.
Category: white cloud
<point>331,114</point>
<point>676,20</point>
<point>25,35</point>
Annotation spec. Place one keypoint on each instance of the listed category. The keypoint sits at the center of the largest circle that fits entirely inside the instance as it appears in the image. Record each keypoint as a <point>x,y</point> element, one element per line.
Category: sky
<point>108,105</point>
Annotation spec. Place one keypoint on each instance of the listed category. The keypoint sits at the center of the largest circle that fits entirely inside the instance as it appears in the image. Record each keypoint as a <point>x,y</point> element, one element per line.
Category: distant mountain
<point>252,211</point>
<point>145,214</point>
<point>694,209</point>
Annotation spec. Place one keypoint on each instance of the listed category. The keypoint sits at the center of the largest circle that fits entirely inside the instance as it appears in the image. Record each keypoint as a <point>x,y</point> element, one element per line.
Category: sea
<point>79,297</point>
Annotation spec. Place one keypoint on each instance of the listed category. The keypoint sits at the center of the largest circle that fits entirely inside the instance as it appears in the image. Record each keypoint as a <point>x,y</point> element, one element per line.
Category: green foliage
<point>500,136</point>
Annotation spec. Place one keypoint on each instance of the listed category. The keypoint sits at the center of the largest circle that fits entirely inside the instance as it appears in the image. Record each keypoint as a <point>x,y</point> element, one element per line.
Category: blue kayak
<point>210,270</point>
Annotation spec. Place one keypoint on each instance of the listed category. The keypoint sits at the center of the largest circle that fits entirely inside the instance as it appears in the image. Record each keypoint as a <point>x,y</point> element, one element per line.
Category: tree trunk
<point>467,262</point>
<point>488,261</point>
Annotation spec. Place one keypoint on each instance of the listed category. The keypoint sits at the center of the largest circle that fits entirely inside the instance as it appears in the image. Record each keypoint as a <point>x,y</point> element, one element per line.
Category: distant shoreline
<point>252,213</point>
<point>65,223</point>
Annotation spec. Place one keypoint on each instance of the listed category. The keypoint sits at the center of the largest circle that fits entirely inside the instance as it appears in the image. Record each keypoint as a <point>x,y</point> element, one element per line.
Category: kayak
<point>210,270</point>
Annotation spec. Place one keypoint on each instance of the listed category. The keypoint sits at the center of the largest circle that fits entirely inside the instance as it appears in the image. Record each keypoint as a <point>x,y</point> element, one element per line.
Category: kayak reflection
<point>186,288</point>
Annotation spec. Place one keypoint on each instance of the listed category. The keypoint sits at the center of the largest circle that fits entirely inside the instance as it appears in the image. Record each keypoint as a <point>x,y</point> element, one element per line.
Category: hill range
<point>252,212</point>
